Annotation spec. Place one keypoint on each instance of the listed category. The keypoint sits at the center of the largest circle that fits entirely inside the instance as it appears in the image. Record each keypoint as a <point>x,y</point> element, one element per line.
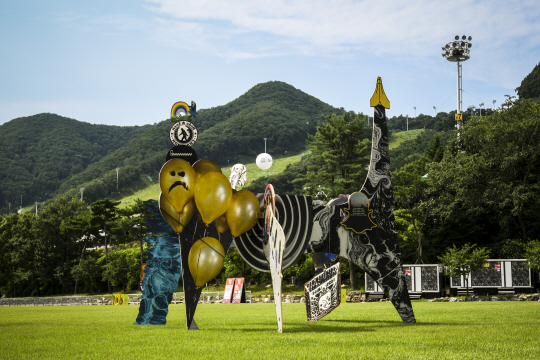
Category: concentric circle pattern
<point>295,215</point>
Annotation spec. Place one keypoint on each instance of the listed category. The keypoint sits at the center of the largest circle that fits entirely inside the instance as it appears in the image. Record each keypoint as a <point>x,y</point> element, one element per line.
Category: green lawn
<point>395,139</point>
<point>461,330</point>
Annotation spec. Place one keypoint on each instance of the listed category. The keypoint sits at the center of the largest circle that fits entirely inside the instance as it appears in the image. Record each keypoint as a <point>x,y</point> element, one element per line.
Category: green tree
<point>411,196</point>
<point>235,266</point>
<point>103,213</point>
<point>532,254</point>
<point>81,228</point>
<point>340,151</point>
<point>87,269</point>
<point>117,270</point>
<point>132,223</point>
<point>530,86</point>
<point>412,192</point>
<point>488,184</point>
<point>56,251</point>
<point>463,260</point>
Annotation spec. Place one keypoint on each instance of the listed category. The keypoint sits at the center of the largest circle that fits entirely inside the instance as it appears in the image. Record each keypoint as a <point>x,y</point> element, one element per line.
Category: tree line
<point>66,248</point>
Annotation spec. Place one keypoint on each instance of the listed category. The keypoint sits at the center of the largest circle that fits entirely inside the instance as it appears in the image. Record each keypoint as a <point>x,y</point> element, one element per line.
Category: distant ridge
<point>39,153</point>
<point>47,154</point>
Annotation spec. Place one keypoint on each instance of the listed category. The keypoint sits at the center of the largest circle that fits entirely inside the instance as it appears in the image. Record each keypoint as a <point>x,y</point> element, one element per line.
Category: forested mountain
<point>273,110</point>
<point>47,154</point>
<point>38,153</point>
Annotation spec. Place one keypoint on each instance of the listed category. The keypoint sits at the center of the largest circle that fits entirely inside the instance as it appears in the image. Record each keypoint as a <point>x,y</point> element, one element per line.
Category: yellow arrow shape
<point>379,97</point>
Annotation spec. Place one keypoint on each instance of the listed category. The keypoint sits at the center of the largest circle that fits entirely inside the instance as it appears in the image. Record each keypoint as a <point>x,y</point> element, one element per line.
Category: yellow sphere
<point>205,260</point>
<point>243,212</point>
<point>178,221</point>
<point>213,195</point>
<point>177,181</point>
<point>221,224</point>
<point>203,166</point>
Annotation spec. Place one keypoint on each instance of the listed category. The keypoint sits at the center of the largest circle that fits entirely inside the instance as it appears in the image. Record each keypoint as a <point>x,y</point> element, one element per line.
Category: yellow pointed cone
<point>379,97</point>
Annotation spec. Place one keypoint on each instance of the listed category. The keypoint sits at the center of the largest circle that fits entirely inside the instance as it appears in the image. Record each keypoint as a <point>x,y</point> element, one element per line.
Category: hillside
<point>273,110</point>
<point>397,138</point>
<point>227,134</point>
<point>39,153</point>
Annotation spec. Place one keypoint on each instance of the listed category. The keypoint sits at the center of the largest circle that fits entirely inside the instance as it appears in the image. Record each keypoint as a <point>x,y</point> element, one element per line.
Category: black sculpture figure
<point>193,232</point>
<point>370,240</point>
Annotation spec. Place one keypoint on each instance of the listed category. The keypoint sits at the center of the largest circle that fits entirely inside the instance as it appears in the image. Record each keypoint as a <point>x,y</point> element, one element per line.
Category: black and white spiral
<point>295,215</point>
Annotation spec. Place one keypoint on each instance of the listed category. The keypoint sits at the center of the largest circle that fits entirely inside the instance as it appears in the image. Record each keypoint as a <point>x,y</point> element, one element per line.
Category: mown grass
<point>395,139</point>
<point>462,330</point>
<point>253,173</point>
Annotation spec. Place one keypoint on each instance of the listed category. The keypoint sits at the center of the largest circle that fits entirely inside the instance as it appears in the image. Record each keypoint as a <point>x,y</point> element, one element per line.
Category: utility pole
<point>36,207</point>
<point>407,122</point>
<point>82,190</point>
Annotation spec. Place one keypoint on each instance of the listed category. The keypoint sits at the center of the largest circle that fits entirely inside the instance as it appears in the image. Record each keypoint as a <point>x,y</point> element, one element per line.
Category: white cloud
<point>504,33</point>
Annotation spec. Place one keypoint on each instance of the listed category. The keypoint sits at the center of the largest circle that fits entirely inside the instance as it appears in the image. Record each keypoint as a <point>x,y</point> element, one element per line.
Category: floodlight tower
<point>458,51</point>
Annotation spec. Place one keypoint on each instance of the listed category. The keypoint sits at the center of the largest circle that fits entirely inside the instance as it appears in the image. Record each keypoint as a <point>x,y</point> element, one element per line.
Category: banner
<point>323,293</point>
<point>239,294</point>
<point>229,286</point>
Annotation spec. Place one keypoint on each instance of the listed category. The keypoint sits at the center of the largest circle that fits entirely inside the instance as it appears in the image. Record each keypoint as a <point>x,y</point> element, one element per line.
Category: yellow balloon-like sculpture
<point>205,260</point>
<point>213,195</point>
<point>221,224</point>
<point>243,212</point>
<point>204,166</point>
<point>177,181</point>
<point>178,221</point>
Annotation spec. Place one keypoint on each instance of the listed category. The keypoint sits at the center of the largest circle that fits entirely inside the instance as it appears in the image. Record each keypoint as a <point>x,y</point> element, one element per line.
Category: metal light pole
<point>36,207</point>
<point>407,122</point>
<point>458,51</point>
<point>117,178</point>
<point>480,108</point>
<point>82,190</point>
<point>435,110</point>
<point>264,145</point>
<point>414,107</point>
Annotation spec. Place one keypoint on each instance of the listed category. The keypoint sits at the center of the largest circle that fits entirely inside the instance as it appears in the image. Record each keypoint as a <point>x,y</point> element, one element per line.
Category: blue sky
<point>127,62</point>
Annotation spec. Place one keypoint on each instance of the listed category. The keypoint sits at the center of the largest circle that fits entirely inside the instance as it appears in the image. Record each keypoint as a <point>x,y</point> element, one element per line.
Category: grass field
<point>395,139</point>
<point>461,330</point>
